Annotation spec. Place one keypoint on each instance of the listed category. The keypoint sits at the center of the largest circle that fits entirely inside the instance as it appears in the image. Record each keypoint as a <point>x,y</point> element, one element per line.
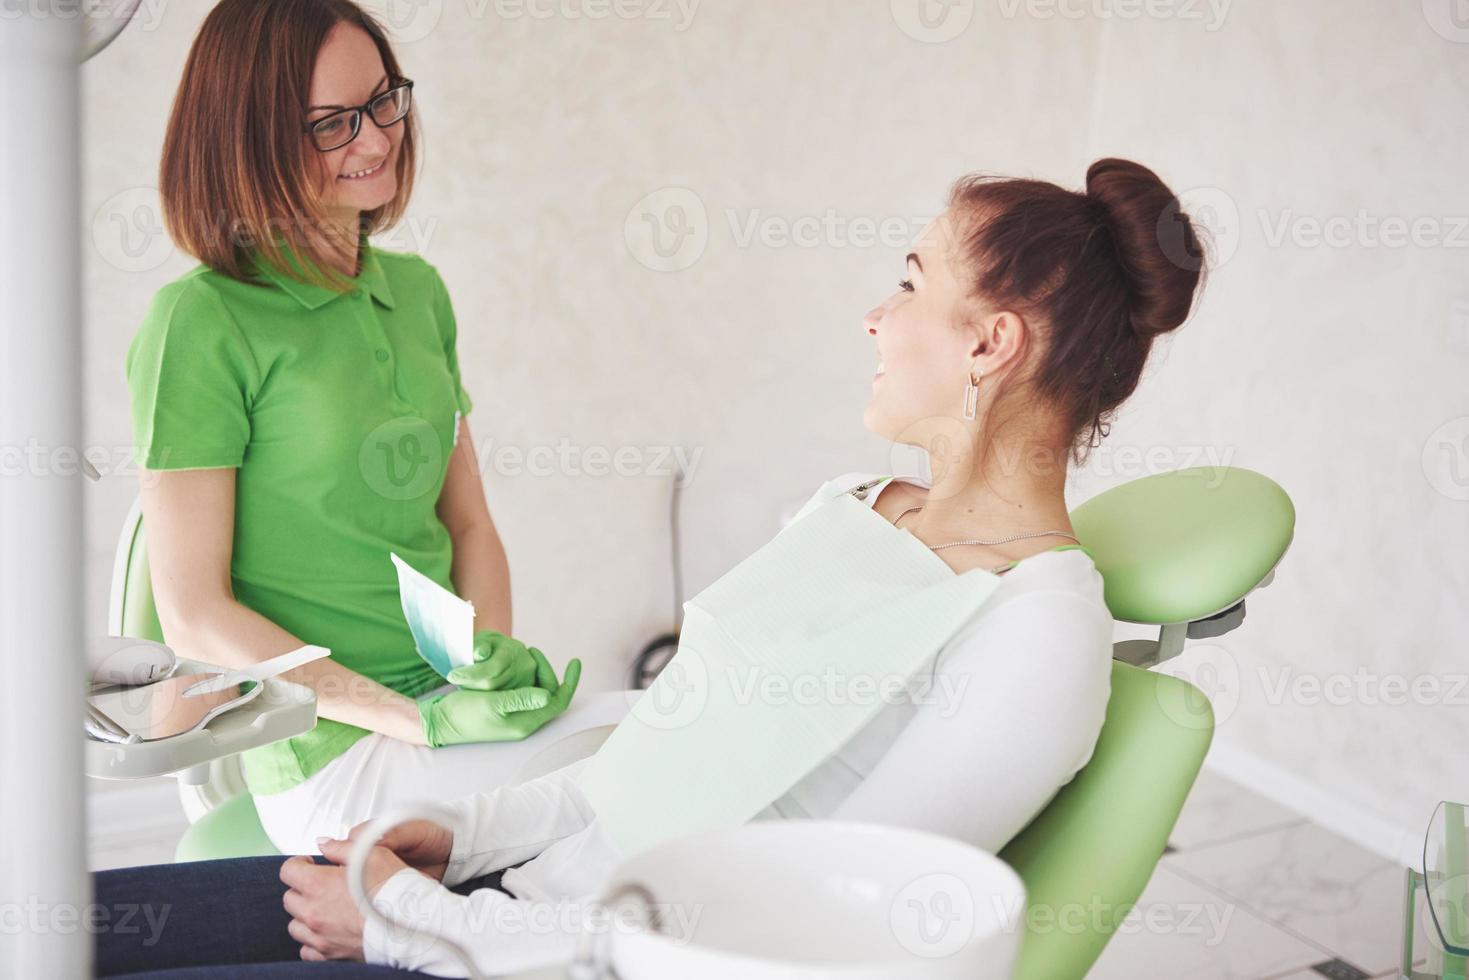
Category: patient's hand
<point>422,844</point>
<point>324,919</point>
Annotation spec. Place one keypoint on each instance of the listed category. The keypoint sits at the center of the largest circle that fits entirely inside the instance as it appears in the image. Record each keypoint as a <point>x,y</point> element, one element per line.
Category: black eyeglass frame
<point>356,114</point>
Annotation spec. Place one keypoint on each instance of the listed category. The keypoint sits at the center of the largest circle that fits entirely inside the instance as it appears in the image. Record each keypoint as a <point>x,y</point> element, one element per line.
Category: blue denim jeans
<point>206,920</point>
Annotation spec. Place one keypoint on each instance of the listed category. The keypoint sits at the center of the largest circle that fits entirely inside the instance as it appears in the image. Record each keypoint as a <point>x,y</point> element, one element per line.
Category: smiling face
<point>361,176</point>
<point>924,352</point>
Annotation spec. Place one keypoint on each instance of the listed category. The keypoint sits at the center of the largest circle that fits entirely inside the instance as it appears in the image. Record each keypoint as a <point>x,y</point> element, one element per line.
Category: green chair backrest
<point>1088,855</point>
<point>133,611</point>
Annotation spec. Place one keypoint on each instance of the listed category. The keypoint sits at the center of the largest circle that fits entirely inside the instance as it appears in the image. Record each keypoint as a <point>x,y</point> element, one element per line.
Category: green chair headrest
<point>1179,547</point>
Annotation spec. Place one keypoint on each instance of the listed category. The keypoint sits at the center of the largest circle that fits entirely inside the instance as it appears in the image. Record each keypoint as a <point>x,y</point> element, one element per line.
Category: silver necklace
<point>955,544</point>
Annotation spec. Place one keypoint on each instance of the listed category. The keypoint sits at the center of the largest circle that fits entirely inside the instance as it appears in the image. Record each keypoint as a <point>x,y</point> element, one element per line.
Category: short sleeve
<point>192,380</point>
<point>444,313</point>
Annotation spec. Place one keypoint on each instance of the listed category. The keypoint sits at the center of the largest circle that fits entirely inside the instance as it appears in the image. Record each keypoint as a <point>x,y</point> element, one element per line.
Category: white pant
<point>378,773</point>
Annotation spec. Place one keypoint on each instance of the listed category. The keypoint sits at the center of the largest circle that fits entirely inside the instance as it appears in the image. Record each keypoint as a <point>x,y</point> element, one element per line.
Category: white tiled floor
<point>1251,891</point>
<point>1182,929</point>
<point>1271,896</point>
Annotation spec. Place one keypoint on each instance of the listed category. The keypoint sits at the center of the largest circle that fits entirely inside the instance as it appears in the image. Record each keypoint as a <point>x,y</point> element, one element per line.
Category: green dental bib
<point>780,662</point>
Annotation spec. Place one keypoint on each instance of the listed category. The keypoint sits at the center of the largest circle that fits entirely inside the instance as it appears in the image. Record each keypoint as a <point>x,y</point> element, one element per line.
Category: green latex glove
<point>470,715</point>
<point>501,663</point>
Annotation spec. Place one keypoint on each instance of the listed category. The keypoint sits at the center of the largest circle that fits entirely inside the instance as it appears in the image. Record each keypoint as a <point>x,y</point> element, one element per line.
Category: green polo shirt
<point>339,413</point>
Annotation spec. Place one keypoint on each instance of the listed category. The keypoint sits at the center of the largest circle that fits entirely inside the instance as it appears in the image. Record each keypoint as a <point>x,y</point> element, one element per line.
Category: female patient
<point>1025,318</point>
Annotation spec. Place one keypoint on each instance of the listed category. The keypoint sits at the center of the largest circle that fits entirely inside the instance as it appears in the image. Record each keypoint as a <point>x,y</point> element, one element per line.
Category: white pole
<point>44,888</point>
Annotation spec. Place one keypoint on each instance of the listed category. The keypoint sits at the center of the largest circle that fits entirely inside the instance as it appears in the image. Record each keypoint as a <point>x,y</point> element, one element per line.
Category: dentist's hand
<point>470,715</point>
<point>501,663</point>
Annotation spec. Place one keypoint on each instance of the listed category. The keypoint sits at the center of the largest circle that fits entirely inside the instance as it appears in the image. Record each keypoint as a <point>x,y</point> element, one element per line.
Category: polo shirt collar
<point>312,296</point>
<point>373,276</point>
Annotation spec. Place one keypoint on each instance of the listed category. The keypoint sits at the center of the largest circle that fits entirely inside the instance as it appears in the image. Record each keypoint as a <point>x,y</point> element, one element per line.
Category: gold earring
<point>971,394</point>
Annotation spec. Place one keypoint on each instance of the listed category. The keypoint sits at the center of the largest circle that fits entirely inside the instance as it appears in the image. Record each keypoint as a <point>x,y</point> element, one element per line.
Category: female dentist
<point>299,416</point>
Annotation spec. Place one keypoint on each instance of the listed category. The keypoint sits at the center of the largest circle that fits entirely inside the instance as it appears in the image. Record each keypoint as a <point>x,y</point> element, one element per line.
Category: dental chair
<point>1179,551</point>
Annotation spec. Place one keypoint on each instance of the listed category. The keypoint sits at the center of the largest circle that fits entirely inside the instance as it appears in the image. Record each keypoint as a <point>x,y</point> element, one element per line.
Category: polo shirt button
<point>382,355</point>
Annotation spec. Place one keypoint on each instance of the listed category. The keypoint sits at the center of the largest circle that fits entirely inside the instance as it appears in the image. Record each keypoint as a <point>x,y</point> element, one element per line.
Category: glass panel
<point>1446,875</point>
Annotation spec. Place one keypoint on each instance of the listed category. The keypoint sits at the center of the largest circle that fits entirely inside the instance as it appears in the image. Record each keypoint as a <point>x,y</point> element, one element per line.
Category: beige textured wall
<point>797,144</point>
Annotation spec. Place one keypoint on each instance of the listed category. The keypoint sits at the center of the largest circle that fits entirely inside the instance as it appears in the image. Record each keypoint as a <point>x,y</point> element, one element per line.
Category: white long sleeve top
<point>1018,700</point>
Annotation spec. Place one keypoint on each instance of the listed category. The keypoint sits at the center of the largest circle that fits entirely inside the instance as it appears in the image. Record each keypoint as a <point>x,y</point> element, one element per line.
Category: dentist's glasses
<point>341,127</point>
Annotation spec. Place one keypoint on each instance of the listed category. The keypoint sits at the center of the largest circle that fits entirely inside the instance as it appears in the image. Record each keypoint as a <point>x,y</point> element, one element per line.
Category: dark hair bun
<point>1156,242</point>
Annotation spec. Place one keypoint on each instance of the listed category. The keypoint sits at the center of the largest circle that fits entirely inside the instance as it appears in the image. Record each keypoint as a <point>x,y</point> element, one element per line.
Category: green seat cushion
<point>1181,546</point>
<point>231,829</point>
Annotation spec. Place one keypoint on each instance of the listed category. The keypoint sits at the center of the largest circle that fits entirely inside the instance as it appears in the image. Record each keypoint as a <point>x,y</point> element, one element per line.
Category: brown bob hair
<point>236,175</point>
<point>1100,273</point>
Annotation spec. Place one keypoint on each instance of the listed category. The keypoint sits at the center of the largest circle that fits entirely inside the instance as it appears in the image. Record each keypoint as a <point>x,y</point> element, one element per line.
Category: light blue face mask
<point>780,662</point>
